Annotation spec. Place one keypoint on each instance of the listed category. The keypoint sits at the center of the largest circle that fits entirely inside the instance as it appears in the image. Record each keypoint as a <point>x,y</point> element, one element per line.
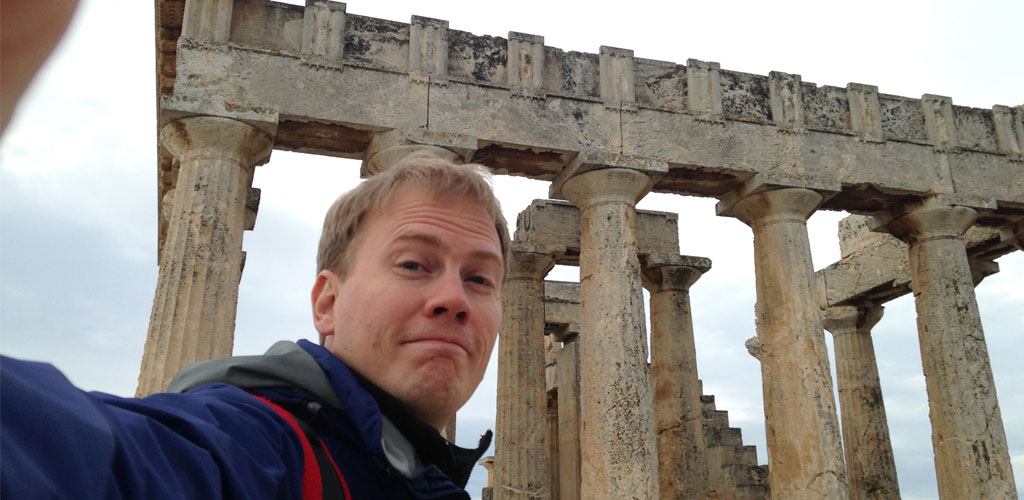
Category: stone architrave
<point>971,455</point>
<point>678,413</point>
<point>870,466</point>
<point>804,447</point>
<point>618,447</point>
<point>522,468</point>
<point>196,297</point>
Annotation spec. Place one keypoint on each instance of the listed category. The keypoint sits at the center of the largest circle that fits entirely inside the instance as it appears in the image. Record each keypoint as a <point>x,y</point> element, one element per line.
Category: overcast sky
<point>78,191</point>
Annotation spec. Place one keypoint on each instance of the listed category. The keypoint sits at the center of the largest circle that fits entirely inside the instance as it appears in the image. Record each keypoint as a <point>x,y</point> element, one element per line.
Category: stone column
<point>488,491</point>
<point>449,429</point>
<point>554,461</point>
<point>618,449</point>
<point>678,413</point>
<point>870,467</point>
<point>806,457</point>
<point>569,470</point>
<point>193,314</point>
<point>971,455</point>
<point>522,469</point>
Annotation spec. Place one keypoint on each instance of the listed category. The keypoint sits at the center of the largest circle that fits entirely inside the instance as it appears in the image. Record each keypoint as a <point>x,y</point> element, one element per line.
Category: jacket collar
<point>430,447</point>
<point>386,425</point>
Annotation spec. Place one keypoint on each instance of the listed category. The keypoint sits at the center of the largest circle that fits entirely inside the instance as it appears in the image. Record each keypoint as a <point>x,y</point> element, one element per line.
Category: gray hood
<point>285,365</point>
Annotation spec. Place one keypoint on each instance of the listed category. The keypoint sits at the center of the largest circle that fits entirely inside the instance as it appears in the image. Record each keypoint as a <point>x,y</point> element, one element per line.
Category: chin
<point>433,392</point>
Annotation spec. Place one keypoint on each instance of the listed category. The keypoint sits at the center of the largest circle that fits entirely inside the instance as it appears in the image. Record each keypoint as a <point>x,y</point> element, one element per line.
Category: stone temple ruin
<point>580,413</point>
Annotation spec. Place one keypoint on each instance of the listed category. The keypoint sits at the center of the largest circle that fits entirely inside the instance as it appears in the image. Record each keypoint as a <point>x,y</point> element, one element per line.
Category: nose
<point>448,298</point>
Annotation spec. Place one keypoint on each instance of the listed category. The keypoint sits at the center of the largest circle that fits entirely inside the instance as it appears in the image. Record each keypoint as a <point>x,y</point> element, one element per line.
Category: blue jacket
<point>216,440</point>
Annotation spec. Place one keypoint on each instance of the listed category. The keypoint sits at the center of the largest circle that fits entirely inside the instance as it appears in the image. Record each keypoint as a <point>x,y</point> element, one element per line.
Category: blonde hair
<point>437,176</point>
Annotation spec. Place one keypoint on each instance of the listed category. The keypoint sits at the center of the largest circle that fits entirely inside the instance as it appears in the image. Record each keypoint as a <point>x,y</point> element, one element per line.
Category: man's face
<point>419,309</point>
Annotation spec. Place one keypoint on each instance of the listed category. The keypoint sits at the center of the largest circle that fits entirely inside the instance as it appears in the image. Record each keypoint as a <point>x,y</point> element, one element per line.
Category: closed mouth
<point>438,341</point>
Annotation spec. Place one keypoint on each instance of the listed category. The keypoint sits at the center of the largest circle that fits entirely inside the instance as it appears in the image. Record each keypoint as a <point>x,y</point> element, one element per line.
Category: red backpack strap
<point>341,478</point>
<point>315,486</point>
<point>312,486</point>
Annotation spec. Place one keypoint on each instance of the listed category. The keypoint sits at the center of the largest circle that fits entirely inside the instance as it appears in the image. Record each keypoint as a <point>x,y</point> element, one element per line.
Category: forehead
<point>418,206</point>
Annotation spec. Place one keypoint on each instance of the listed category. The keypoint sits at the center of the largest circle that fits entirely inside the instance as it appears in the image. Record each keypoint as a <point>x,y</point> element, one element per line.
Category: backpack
<point>321,478</point>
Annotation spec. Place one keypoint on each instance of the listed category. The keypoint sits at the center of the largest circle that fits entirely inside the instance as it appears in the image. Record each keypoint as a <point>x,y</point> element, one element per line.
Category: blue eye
<point>480,280</point>
<point>412,266</point>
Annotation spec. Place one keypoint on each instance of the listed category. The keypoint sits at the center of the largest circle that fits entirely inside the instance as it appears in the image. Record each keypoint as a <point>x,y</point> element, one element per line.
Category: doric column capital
<point>610,185</point>
<point>860,318</point>
<point>666,272</point>
<point>214,137</point>
<point>531,260</point>
<point>390,147</point>
<point>776,205</point>
<point>592,178</point>
<point>763,198</point>
<point>933,218</point>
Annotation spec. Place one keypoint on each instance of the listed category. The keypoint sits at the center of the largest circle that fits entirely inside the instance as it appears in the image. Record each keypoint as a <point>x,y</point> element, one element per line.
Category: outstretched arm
<point>57,441</point>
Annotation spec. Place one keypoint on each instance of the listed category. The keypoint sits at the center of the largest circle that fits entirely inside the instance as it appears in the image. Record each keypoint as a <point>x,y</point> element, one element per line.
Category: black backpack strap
<point>321,478</point>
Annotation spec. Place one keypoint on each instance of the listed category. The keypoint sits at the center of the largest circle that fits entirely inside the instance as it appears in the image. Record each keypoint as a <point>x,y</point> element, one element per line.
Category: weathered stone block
<point>526,65</point>
<point>939,122</point>
<point>745,97</point>
<point>704,89</point>
<point>323,34</point>
<point>479,60</point>
<point>558,222</point>
<point>617,78</point>
<point>207,21</point>
<point>787,104</point>
<point>865,111</point>
<point>428,50</point>
<point>660,84</point>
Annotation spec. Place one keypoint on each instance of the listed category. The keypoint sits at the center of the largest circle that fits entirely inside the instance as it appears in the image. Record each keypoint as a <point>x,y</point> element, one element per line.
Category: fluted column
<point>678,413</point>
<point>870,467</point>
<point>522,468</point>
<point>806,457</point>
<point>971,455</point>
<point>196,296</point>
<point>618,450</point>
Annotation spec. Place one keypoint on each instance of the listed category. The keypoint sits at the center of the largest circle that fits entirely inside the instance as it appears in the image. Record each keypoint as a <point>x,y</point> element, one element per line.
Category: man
<point>407,306</point>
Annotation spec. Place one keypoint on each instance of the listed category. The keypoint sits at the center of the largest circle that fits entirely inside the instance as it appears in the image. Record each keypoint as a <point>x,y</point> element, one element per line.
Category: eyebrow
<point>437,242</point>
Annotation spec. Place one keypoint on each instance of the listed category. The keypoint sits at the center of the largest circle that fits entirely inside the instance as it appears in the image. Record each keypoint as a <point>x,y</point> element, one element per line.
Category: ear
<point>325,292</point>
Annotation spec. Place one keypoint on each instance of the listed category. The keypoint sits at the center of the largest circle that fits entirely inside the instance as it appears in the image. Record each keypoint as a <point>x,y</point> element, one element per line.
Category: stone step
<point>707,401</point>
<point>716,418</point>
<point>733,471</point>
<point>746,475</point>
<point>723,436</point>
<point>746,455</point>
<point>745,482</point>
<point>718,456</point>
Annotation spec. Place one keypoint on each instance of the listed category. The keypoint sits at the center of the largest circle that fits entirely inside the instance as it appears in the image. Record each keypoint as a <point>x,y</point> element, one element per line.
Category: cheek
<point>490,324</point>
